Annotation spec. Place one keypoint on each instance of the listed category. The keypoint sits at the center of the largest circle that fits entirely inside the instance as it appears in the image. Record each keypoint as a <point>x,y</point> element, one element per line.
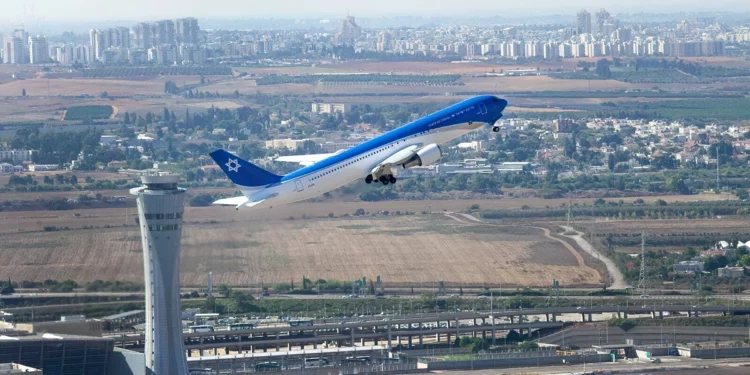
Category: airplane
<point>376,160</point>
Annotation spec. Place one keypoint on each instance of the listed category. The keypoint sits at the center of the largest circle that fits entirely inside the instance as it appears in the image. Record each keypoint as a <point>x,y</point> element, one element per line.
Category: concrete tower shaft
<point>160,208</point>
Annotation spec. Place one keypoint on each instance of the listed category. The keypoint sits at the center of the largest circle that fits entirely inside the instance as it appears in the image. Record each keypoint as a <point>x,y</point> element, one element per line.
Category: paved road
<point>674,365</point>
<point>618,280</point>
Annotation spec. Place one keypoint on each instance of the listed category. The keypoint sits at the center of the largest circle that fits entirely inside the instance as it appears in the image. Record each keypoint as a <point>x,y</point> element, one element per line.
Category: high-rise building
<point>384,41</point>
<point>602,17</point>
<point>95,45</point>
<point>38,50</point>
<point>13,51</point>
<point>121,37</point>
<point>684,28</point>
<point>15,47</point>
<point>350,31</point>
<point>187,30</point>
<point>160,208</point>
<point>164,32</point>
<point>584,22</point>
<point>624,34</point>
<point>143,34</point>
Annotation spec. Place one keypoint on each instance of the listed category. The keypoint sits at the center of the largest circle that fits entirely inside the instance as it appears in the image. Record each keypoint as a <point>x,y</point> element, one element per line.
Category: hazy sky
<point>27,11</point>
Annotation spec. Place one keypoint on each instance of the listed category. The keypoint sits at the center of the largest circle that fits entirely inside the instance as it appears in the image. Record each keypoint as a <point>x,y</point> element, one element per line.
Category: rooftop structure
<point>58,354</point>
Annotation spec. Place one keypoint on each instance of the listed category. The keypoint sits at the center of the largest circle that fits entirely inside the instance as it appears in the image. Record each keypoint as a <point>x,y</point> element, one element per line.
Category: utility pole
<point>642,276</point>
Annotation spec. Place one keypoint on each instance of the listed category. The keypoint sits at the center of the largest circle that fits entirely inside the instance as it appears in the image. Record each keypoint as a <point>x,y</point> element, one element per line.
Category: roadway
<point>389,328</point>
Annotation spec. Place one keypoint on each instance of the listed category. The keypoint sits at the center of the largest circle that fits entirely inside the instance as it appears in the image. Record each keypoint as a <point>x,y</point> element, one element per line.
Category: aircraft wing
<point>399,157</point>
<point>305,160</point>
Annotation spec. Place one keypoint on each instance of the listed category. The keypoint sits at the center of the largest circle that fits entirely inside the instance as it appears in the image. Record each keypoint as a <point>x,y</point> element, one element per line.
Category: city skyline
<point>40,11</point>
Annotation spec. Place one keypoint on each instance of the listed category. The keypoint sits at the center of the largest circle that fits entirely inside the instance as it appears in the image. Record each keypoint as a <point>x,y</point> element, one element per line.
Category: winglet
<point>242,172</point>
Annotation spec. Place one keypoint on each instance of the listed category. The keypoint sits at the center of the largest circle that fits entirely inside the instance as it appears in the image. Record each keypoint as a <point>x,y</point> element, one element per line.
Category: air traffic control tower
<point>160,207</point>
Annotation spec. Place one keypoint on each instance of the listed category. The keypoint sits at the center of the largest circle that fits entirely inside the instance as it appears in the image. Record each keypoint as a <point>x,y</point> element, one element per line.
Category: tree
<point>23,92</point>
<point>715,262</point>
<point>48,180</point>
<point>744,261</point>
<point>126,118</point>
<point>73,180</point>
<point>224,290</point>
<point>528,345</point>
<point>602,69</point>
<point>611,161</point>
<point>742,194</point>
<point>7,288</point>
<point>166,114</point>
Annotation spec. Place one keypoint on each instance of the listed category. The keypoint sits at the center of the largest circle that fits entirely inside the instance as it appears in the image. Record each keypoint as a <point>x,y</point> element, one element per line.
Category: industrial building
<point>160,207</point>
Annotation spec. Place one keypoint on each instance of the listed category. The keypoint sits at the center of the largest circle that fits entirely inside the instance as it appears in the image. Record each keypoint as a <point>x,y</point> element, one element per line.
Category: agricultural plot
<point>404,251</point>
<point>89,112</point>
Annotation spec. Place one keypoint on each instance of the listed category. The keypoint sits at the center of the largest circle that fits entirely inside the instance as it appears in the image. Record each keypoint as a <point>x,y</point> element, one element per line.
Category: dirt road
<point>618,280</point>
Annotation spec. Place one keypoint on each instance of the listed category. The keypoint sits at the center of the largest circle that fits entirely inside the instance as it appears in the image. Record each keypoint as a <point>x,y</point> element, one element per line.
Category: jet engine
<point>425,156</point>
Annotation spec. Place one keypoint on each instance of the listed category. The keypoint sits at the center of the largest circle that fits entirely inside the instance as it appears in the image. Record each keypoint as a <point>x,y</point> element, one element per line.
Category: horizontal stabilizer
<point>234,202</point>
<point>238,202</point>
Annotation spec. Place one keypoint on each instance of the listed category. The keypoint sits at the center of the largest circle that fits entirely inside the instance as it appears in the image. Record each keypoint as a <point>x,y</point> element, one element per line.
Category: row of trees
<point>432,80</point>
<point>141,71</point>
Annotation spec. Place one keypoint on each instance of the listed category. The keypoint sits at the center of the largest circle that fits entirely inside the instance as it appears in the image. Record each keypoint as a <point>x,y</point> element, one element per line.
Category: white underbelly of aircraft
<point>304,188</point>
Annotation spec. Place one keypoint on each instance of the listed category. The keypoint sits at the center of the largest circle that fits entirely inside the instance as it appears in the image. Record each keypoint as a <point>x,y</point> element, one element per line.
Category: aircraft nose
<point>499,107</point>
<point>500,103</point>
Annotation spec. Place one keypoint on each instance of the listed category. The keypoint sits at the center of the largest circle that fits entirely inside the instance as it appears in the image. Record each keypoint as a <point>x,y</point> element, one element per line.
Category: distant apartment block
<point>13,50</point>
<point>187,30</point>
<point>688,266</point>
<point>732,272</point>
<point>38,50</point>
<point>330,108</point>
<point>43,167</point>
<point>291,144</point>
<point>564,125</point>
<point>10,168</point>
<point>16,156</point>
<point>331,147</point>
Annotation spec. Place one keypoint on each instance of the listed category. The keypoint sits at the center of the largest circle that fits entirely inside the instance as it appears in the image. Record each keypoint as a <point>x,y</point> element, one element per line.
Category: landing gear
<point>496,129</point>
<point>384,179</point>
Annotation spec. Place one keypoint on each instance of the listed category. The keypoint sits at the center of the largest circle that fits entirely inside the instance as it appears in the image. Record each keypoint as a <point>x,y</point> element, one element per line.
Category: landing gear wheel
<point>391,179</point>
<point>383,180</point>
<point>496,129</point>
<point>368,179</point>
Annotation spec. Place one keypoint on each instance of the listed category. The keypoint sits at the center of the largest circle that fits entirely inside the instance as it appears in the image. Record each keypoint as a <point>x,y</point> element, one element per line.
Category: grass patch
<point>32,245</point>
<point>231,244</point>
<point>355,226</point>
<point>89,112</point>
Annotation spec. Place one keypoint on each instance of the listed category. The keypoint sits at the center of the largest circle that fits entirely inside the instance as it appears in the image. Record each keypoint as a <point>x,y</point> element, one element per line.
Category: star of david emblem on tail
<point>233,165</point>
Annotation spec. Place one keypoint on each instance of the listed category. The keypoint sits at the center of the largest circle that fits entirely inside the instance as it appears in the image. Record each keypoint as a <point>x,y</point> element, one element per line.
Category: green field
<point>89,112</point>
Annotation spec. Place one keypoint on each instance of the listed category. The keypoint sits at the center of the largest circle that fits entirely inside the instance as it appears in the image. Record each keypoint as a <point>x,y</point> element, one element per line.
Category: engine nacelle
<point>427,155</point>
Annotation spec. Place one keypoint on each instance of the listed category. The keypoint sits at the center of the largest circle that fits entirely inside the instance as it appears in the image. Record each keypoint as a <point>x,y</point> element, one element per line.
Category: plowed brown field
<point>405,250</point>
